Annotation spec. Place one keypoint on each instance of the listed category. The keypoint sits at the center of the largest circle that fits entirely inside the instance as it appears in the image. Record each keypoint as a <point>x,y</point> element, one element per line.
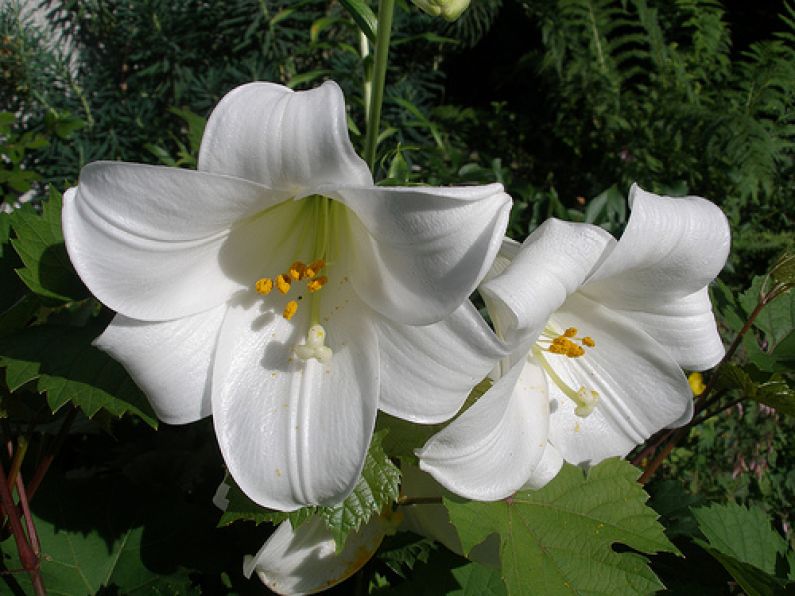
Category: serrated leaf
<point>69,369</point>
<point>363,16</point>
<point>742,533</point>
<point>559,540</point>
<point>39,243</point>
<point>377,487</point>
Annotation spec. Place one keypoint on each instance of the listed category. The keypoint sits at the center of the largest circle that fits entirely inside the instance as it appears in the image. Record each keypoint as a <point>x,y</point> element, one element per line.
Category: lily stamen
<point>583,398</point>
<point>564,343</point>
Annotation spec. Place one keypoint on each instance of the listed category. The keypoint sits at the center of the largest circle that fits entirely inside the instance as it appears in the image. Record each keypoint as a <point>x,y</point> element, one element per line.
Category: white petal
<point>155,244</point>
<point>552,263</point>
<point>304,560</point>
<point>295,432</point>
<point>509,250</point>
<point>422,251</point>
<point>296,141</point>
<point>641,388</point>
<point>170,361</point>
<point>657,274</point>
<point>489,452</point>
<point>546,470</point>
<point>427,372</point>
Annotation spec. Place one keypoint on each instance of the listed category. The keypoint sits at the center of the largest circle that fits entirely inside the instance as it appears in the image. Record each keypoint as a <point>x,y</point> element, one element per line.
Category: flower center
<point>564,344</point>
<point>305,279</point>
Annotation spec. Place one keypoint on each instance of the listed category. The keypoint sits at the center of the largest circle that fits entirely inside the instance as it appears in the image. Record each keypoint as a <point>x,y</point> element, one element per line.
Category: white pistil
<point>315,347</point>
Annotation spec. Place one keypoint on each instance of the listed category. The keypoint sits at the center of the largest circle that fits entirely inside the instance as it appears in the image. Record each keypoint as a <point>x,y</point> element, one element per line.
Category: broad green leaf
<point>69,369</point>
<point>744,534</point>
<point>377,488</point>
<point>39,242</point>
<point>559,540</point>
<point>363,16</point>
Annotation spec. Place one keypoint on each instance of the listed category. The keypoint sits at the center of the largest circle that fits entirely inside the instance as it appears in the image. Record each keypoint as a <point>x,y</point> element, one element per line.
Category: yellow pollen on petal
<point>570,332</point>
<point>317,283</point>
<point>283,282</point>
<point>290,309</point>
<point>588,341</point>
<point>264,286</point>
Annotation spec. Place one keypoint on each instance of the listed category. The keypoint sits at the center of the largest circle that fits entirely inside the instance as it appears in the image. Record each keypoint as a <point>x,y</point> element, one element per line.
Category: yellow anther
<point>588,341</point>
<point>574,351</point>
<point>696,382</point>
<point>317,283</point>
<point>290,309</point>
<point>264,286</point>
<point>283,283</point>
<point>314,268</point>
<point>570,332</point>
<point>297,270</point>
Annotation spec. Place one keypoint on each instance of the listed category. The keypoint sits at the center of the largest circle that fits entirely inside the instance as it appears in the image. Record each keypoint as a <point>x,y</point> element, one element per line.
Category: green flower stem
<point>386,8</point>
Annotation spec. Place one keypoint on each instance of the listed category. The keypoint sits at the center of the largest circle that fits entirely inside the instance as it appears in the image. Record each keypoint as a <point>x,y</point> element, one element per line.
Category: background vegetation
<point>566,102</point>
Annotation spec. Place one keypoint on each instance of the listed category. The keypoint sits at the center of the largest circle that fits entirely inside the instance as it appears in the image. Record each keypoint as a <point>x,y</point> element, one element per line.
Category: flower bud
<point>449,10</point>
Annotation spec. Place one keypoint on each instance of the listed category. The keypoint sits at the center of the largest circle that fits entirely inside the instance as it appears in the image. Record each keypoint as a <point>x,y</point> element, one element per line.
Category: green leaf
<point>69,369</point>
<point>773,391</point>
<point>744,534</point>
<point>783,271</point>
<point>39,242</point>
<point>559,540</point>
<point>363,16</point>
<point>777,318</point>
<point>377,488</point>
<point>753,580</point>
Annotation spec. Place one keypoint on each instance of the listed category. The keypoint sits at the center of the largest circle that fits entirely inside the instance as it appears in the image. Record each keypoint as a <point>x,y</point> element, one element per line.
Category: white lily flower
<point>282,292</point>
<point>603,329</point>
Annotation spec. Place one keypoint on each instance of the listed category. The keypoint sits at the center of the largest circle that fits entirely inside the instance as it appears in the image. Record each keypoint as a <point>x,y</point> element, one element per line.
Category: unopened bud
<point>449,10</point>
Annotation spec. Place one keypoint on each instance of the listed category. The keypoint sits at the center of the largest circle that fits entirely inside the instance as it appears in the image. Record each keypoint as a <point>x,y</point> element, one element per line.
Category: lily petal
<point>305,561</point>
<point>170,361</point>
<point>657,275</point>
<point>427,372</point>
<point>295,141</point>
<point>552,263</point>
<point>295,432</point>
<point>490,451</point>
<point>423,250</point>
<point>148,240</point>
<point>546,470</point>
<point>641,388</point>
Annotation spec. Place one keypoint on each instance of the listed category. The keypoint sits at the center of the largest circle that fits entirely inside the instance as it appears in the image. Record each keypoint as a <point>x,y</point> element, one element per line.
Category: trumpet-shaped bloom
<point>279,290</point>
<point>601,331</point>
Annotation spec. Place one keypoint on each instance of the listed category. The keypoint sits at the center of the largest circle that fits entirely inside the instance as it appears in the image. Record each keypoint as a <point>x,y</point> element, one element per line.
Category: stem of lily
<point>386,8</point>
